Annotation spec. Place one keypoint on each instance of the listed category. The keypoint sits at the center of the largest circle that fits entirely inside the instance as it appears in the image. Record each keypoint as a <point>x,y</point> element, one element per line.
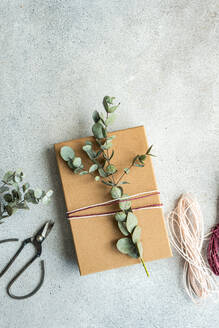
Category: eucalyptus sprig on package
<point>100,166</point>
<point>15,194</point>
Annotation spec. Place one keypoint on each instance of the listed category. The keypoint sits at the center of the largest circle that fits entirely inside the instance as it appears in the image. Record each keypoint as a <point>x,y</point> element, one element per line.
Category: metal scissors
<point>36,241</point>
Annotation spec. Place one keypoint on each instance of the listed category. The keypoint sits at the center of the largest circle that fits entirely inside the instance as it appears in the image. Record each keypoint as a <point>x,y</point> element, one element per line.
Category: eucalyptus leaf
<point>136,235</point>
<point>97,178</point>
<point>38,193</point>
<point>125,204</point>
<point>126,170</point>
<point>102,173</point>
<point>8,198</point>
<point>70,164</point>
<point>3,189</point>
<point>98,131</point>
<point>120,216</point>
<point>8,176</point>
<point>111,169</point>
<point>113,108</point>
<point>122,228</point>
<point>116,192</point>
<point>25,186</point>
<point>67,153</point>
<point>77,162</point>
<point>96,116</point>
<point>126,246</point>
<point>83,173</point>
<point>93,168</point>
<point>49,193</point>
<point>131,222</point>
<point>110,119</point>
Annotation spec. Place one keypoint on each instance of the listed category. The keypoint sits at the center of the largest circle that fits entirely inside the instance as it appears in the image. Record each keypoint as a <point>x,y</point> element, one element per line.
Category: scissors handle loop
<point>20,273</point>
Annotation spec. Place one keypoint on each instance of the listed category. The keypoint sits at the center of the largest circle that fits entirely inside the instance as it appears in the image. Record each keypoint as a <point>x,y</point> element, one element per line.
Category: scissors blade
<point>45,230</point>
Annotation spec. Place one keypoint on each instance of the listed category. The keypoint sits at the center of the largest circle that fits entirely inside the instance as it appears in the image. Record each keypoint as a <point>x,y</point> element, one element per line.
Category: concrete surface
<point>58,59</point>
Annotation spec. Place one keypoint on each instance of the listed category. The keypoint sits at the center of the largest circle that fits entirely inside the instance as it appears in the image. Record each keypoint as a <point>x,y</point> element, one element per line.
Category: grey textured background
<point>58,59</point>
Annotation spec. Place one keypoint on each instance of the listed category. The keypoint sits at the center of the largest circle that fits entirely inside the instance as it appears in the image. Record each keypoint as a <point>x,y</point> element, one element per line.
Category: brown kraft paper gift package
<point>95,238</point>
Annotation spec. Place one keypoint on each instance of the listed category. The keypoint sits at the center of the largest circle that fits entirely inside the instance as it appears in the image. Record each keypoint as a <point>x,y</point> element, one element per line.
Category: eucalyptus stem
<point>126,220</point>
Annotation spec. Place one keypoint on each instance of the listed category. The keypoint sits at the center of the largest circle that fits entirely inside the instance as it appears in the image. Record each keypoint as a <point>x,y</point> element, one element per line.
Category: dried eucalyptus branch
<point>15,194</point>
<point>103,170</point>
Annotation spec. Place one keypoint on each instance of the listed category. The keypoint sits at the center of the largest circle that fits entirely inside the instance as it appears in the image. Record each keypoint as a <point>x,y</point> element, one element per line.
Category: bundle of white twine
<point>186,230</point>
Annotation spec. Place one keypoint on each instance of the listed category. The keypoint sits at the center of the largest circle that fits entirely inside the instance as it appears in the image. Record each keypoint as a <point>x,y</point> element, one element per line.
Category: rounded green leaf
<point>125,204</point>
<point>131,222</point>
<point>49,193</point>
<point>93,168</point>
<point>8,176</point>
<point>70,164</point>
<point>98,131</point>
<point>116,192</point>
<point>120,216</point>
<point>8,198</point>
<point>96,116</point>
<point>136,235</point>
<point>122,228</point>
<point>97,178</point>
<point>67,153</point>
<point>45,200</point>
<point>83,172</point>
<point>38,193</point>
<point>126,246</point>
<point>110,169</point>
<point>77,162</point>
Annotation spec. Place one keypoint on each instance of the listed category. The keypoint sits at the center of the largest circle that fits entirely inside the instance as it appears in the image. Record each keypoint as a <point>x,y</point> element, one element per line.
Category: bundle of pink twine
<point>186,232</point>
<point>213,250</point>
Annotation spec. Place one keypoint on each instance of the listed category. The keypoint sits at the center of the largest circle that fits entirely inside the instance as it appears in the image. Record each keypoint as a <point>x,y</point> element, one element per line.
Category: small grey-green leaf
<point>116,192</point>
<point>136,235</point>
<point>49,193</point>
<point>8,198</point>
<point>140,248</point>
<point>97,178</point>
<point>122,228</point>
<point>93,168</point>
<point>3,189</point>
<point>96,116</point>
<point>133,252</point>
<point>38,193</point>
<point>87,142</point>
<point>8,176</point>
<point>126,170</point>
<point>98,130</point>
<point>124,245</point>
<point>45,200</point>
<point>67,153</point>
<point>70,164</point>
<point>83,172</point>
<point>111,169</point>
<point>110,119</point>
<point>77,162</point>
<point>125,204</point>
<point>120,216</point>
<point>131,222</point>
<point>102,173</point>
<point>25,186</point>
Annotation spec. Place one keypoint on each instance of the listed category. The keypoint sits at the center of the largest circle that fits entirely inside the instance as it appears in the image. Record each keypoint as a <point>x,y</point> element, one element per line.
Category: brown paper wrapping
<point>95,238</point>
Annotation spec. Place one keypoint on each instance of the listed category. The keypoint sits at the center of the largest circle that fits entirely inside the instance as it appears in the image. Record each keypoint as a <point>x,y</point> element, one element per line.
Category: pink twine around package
<point>213,250</point>
<point>186,230</point>
<point>71,214</point>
